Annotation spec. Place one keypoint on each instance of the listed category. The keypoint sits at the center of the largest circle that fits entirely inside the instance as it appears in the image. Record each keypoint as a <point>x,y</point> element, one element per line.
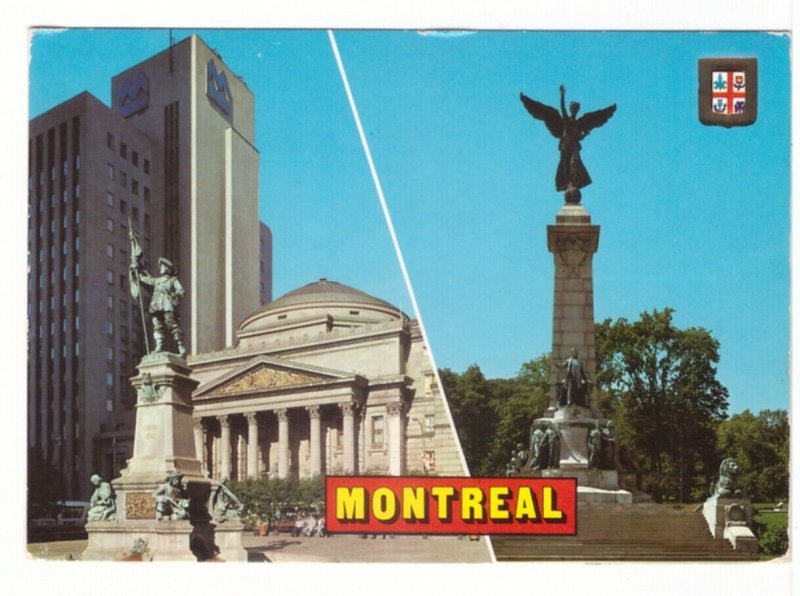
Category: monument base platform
<point>148,540</point>
<point>594,486</point>
<point>589,496</point>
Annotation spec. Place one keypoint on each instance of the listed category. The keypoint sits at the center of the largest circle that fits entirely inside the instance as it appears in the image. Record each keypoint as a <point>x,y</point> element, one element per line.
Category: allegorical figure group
<point>602,446</point>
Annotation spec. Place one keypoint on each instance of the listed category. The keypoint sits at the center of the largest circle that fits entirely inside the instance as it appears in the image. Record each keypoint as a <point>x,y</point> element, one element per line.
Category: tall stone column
<point>252,445</point>
<point>348,430</point>
<point>283,442</point>
<point>314,443</point>
<point>394,411</point>
<point>199,441</point>
<point>225,447</point>
<point>573,242</point>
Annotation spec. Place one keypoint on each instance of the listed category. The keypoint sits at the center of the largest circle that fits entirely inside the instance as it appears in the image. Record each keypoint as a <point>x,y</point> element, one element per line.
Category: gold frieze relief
<point>266,378</point>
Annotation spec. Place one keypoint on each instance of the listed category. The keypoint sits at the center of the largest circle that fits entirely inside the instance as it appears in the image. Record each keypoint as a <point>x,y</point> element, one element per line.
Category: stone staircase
<point>640,532</point>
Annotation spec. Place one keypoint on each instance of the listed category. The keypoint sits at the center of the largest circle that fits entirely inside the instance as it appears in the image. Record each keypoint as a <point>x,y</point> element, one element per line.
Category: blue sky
<point>693,217</point>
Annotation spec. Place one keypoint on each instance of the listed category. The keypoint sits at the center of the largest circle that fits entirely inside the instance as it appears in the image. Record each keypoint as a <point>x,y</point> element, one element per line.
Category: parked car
<point>64,520</point>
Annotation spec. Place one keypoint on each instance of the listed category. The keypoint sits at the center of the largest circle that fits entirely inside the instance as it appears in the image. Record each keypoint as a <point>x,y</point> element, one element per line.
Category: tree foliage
<point>263,498</point>
<point>492,415</point>
<point>760,445</point>
<point>659,384</point>
<point>661,381</point>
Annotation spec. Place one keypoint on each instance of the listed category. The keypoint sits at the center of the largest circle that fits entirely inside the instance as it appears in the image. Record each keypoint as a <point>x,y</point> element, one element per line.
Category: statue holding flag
<point>166,296</point>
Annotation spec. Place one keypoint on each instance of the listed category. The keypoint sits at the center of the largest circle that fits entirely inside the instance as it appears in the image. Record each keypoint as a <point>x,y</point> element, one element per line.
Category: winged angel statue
<point>571,175</point>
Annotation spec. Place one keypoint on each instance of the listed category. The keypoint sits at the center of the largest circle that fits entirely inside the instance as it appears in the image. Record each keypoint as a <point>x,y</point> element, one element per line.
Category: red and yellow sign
<point>450,505</point>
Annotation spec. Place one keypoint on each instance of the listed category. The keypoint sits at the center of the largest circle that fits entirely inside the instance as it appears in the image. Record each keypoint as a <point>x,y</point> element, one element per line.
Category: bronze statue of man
<point>571,174</point>
<point>575,384</point>
<point>164,303</point>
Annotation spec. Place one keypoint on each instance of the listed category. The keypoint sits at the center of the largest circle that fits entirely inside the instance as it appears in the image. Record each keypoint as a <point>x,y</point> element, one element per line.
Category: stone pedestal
<point>730,518</point>
<point>163,441</point>
<point>573,242</point>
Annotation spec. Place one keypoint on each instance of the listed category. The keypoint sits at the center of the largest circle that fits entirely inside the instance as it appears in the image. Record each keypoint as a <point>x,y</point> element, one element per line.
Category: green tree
<point>517,403</point>
<point>469,397</point>
<point>760,445</point>
<point>493,415</point>
<point>661,384</point>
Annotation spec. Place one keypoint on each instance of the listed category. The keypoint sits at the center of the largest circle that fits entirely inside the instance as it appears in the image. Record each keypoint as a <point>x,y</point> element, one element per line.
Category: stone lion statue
<point>728,481</point>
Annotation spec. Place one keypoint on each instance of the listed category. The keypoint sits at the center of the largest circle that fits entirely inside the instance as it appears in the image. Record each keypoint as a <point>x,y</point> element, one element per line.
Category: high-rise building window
<point>146,166</point>
<point>64,168</point>
<point>77,322</point>
<point>78,161</point>
<point>110,302</point>
<point>123,150</point>
<point>146,195</point>
<point>77,216</point>
<point>110,250</point>
<point>64,196</point>
<point>77,243</point>
<point>109,329</point>
<point>135,214</point>
<point>77,191</point>
<point>123,206</point>
<point>77,269</point>
<point>109,277</point>
<point>109,379</point>
<point>134,186</point>
<point>110,199</point>
<point>110,141</point>
<point>109,405</point>
<point>77,348</point>
<point>123,179</point>
<point>110,171</point>
<point>77,296</point>
<point>135,158</point>
<point>110,224</point>
<point>110,354</point>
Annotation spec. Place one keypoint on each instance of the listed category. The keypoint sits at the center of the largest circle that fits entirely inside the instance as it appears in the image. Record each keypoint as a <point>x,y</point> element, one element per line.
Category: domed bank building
<point>324,380</point>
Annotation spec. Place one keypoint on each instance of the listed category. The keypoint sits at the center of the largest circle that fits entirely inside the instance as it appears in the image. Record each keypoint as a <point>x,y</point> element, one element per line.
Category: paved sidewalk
<point>345,549</point>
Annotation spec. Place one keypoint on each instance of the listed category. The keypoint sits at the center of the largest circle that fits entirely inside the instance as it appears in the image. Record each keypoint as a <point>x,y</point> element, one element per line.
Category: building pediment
<point>267,374</point>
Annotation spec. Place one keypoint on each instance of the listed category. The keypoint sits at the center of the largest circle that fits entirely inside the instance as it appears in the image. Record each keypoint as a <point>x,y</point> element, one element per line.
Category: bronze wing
<point>547,114</point>
<point>592,120</point>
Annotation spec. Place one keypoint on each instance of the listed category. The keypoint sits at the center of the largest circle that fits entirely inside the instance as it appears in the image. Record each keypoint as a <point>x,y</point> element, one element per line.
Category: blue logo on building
<point>134,95</point>
<point>217,88</point>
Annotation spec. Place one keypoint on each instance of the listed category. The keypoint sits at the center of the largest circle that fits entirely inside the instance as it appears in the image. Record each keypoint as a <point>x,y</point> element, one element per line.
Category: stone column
<point>225,447</point>
<point>394,411</point>
<point>348,430</point>
<point>573,242</point>
<point>283,442</point>
<point>199,443</point>
<point>314,443</point>
<point>252,445</point>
